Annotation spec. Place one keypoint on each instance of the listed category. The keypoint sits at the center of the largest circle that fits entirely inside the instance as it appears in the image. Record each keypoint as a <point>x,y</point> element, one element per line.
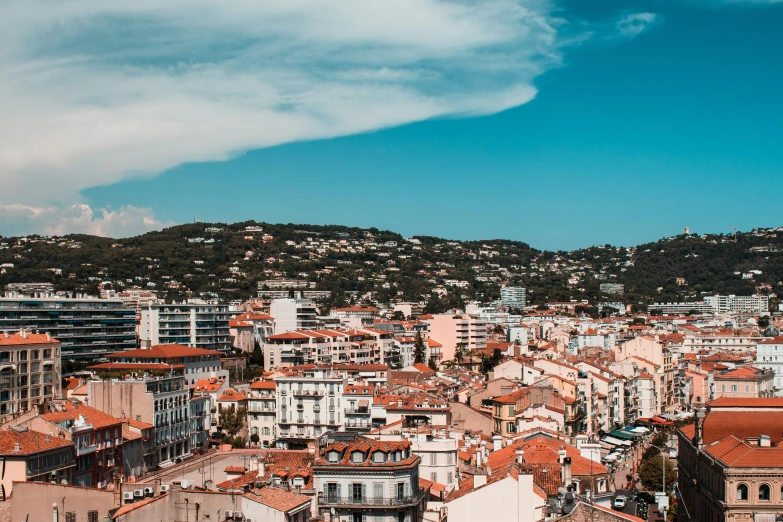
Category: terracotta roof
<point>129,435</point>
<point>367,447</point>
<point>208,385</point>
<point>423,368</point>
<point>17,339</point>
<point>231,396</point>
<point>277,498</point>
<point>139,424</point>
<point>30,442</point>
<point>235,469</point>
<point>288,335</point>
<point>162,351</point>
<point>136,366</point>
<point>747,402</point>
<point>72,411</point>
<point>263,385</point>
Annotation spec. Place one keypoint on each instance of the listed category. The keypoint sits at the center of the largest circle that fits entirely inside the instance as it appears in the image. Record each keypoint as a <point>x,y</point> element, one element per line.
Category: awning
<point>624,435</point>
<point>640,429</point>
<point>610,458</point>
<point>364,403</point>
<point>616,442</point>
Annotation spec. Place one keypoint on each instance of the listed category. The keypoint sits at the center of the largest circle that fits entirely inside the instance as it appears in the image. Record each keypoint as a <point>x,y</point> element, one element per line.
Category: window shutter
<point>338,491</point>
<point>364,492</point>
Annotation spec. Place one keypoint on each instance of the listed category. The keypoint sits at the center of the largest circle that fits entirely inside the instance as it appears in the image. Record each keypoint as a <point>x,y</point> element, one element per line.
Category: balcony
<point>307,393</point>
<point>86,449</point>
<point>364,502</point>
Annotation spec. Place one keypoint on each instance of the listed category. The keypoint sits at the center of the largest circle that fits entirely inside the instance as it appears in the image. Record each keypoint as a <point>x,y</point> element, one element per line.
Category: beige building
<point>33,456</point>
<point>731,465</point>
<point>450,330</point>
<point>29,371</point>
<point>745,381</point>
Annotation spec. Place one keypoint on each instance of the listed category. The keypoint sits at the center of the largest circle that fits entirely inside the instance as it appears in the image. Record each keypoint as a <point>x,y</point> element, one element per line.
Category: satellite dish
<point>185,483</point>
<point>332,511</point>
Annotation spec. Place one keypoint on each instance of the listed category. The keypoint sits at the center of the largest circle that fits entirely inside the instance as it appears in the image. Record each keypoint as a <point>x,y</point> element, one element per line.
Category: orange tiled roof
<point>162,351</point>
<point>231,396</point>
<point>278,499</point>
<point>30,442</point>
<point>72,411</point>
<point>18,339</point>
<point>263,385</point>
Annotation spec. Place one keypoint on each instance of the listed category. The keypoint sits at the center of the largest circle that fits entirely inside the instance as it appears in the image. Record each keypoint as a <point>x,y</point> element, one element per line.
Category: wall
<point>33,501</point>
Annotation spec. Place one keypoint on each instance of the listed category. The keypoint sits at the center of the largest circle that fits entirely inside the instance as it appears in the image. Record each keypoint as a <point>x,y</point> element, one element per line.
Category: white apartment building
<point>437,450</point>
<point>293,314</point>
<point>323,347</point>
<point>196,363</point>
<point>29,371</point>
<point>753,304</point>
<point>262,412</point>
<point>722,340</point>
<point>359,479</point>
<point>308,407</point>
<point>769,356</point>
<point>196,323</point>
<point>513,296</point>
<point>699,307</point>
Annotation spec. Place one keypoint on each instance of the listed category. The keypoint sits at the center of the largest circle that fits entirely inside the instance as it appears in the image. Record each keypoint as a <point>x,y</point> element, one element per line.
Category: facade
<point>33,456</point>
<point>199,324</point>
<point>730,466</point>
<point>745,381</point>
<point>769,356</point>
<point>360,478</point>
<point>612,288</point>
<point>324,347</point>
<point>196,364</point>
<point>747,304</point>
<point>308,407</point>
<point>163,402</point>
<point>86,328</point>
<point>262,412</point>
<point>451,330</point>
<point>293,314</point>
<point>513,297</point>
<point>29,371</point>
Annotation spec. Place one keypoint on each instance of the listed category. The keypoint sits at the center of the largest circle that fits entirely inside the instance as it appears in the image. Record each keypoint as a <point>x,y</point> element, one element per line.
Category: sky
<point>561,123</point>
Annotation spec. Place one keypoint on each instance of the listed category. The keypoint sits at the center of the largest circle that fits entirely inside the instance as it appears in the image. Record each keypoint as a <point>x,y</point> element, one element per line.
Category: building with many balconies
<point>357,478</point>
<point>199,324</point>
<point>29,371</point>
<point>308,407</point>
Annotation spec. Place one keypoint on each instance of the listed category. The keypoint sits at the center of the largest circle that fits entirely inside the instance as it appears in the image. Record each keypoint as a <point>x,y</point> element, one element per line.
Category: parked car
<point>619,502</point>
<point>646,497</point>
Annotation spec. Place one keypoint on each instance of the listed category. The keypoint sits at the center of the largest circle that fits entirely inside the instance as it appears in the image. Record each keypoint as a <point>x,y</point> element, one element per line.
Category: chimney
<point>497,442</point>
<point>479,479</point>
<point>567,471</point>
<point>156,487</point>
<point>17,448</point>
<point>48,336</point>
<point>764,441</point>
<point>23,333</point>
<point>520,456</point>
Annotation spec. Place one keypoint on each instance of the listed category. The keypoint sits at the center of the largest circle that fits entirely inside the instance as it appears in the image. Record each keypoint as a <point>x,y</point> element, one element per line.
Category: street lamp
<point>663,472</point>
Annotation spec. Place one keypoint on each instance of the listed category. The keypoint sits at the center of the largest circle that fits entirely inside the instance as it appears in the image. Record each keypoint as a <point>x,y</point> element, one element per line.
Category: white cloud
<point>80,218</point>
<point>634,24</point>
<point>94,92</point>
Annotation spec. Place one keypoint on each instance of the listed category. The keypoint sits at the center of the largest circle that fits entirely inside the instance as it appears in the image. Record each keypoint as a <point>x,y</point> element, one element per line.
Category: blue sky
<point>578,123</point>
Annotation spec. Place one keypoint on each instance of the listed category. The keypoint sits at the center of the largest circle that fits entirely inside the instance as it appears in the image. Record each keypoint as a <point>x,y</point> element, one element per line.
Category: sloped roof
<point>30,442</point>
<point>19,339</point>
<point>162,351</point>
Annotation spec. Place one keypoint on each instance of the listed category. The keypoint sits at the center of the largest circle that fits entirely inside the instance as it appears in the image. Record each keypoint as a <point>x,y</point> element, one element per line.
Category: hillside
<point>228,261</point>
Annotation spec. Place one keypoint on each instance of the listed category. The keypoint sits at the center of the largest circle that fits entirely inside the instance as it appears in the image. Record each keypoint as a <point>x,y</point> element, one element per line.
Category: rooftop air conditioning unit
<point>127,497</point>
<point>138,493</point>
<point>164,488</point>
<point>149,492</point>
<point>228,514</point>
<point>238,515</point>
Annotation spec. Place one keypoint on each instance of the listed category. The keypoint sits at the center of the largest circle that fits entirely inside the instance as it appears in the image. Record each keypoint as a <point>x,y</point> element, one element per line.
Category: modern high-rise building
<point>293,314</point>
<point>87,328</point>
<point>513,296</point>
<point>199,324</point>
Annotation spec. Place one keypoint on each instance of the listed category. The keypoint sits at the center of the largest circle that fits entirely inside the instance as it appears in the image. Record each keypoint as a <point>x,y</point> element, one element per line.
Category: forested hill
<point>228,261</point>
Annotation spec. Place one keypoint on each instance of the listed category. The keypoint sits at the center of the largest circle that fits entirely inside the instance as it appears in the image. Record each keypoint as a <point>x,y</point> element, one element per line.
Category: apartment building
<point>30,371</point>
<point>451,330</point>
<point>358,407</point>
<point>262,412</point>
<point>196,323</point>
<point>293,314</point>
<point>357,478</point>
<point>87,328</point>
<point>196,364</point>
<point>308,407</point>
<point>30,456</point>
<point>769,356</point>
<point>720,339</point>
<point>161,401</point>
<point>730,465</point>
<point>322,347</point>
<point>513,296</point>
<point>745,304</point>
<point>745,381</point>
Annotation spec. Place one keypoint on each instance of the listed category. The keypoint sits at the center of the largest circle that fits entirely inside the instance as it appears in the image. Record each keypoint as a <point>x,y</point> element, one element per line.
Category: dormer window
<point>379,457</point>
<point>333,456</point>
<point>357,457</point>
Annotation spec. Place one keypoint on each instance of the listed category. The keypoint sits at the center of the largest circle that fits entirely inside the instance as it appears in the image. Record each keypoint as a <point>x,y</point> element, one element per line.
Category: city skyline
<point>552,123</point>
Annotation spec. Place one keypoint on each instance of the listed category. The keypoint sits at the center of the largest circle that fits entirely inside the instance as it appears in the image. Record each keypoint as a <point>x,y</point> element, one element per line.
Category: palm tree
<point>459,352</point>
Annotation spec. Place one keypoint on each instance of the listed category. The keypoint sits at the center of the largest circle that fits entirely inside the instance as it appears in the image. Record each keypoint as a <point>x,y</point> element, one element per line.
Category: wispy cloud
<point>94,92</point>
<point>632,25</point>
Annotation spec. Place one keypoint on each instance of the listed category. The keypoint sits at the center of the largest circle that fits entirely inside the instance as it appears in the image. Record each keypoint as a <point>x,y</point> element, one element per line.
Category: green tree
<point>232,420</point>
<point>650,473</point>
<point>433,366</point>
<point>257,355</point>
<point>419,351</point>
<point>254,438</point>
<point>397,315</point>
<point>459,352</point>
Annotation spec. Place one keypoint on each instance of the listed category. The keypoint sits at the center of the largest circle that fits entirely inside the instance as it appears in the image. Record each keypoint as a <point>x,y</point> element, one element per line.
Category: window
<point>449,477</point>
<point>357,456</point>
<point>433,459</point>
<point>379,456</point>
<point>450,459</point>
<point>377,490</point>
<point>764,493</point>
<point>742,492</point>
<point>433,477</point>
<point>333,456</point>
